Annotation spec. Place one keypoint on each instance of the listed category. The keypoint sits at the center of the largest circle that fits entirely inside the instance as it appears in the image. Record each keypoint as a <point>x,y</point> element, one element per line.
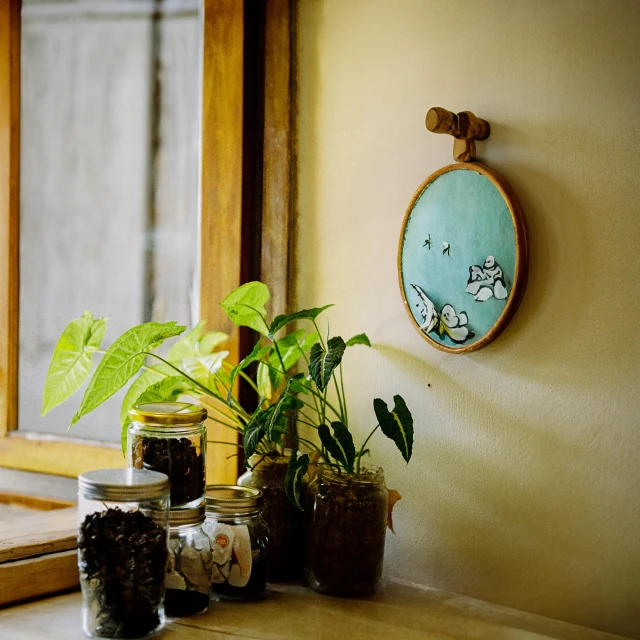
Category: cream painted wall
<point>524,488</point>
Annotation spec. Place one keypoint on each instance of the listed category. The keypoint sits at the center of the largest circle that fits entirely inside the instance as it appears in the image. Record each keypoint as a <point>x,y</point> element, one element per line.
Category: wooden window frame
<point>247,223</point>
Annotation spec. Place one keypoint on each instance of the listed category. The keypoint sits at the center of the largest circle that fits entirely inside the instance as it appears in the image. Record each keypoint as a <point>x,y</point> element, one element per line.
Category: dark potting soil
<point>123,555</point>
<point>345,549</point>
<point>253,590</point>
<point>182,602</point>
<point>179,459</point>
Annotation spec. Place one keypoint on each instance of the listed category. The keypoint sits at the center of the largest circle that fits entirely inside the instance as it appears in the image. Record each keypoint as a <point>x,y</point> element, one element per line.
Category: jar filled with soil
<point>347,520</point>
<point>285,560</point>
<point>188,581</point>
<point>170,437</point>
<point>122,551</point>
<point>239,541</point>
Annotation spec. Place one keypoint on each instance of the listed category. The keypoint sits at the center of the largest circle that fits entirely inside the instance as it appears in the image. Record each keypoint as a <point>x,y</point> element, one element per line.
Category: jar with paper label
<point>188,579</point>
<point>239,540</point>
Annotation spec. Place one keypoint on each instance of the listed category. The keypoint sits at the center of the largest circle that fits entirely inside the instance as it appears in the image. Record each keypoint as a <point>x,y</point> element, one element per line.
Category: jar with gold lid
<point>170,437</point>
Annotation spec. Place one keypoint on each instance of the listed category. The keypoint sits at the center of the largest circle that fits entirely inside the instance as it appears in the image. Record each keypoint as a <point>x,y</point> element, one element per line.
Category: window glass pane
<point>109,180</point>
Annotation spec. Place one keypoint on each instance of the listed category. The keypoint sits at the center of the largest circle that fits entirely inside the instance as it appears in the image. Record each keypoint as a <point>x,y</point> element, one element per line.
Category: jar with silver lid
<point>122,551</point>
<point>239,541</point>
<point>188,581</point>
<point>170,437</point>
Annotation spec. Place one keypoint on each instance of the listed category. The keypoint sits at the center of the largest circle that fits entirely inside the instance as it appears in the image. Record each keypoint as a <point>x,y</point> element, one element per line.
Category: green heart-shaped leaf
<point>305,314</point>
<point>72,359</point>
<point>293,481</point>
<point>396,424</point>
<point>339,445</point>
<point>361,338</point>
<point>245,306</point>
<point>122,361</point>
<point>322,363</point>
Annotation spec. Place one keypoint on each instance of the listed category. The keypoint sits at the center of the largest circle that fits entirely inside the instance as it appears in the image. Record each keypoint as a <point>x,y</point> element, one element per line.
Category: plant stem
<point>346,416</point>
<point>361,452</point>
<point>233,444</point>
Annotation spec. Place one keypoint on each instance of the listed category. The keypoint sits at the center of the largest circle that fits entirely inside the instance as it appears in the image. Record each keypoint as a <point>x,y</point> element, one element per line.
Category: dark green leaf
<point>322,363</point>
<point>300,383</point>
<point>166,390</point>
<point>255,430</point>
<point>122,361</point>
<point>72,359</point>
<point>361,338</point>
<point>245,306</point>
<point>339,445</point>
<point>293,482</point>
<point>291,347</point>
<point>256,355</point>
<point>283,320</point>
<point>396,424</point>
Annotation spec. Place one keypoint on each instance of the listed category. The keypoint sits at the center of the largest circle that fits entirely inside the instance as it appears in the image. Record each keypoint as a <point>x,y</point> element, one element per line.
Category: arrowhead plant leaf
<point>361,338</point>
<point>72,359</point>
<point>396,424</point>
<point>166,390</point>
<point>293,481</point>
<point>305,314</point>
<point>122,361</point>
<point>339,445</point>
<point>322,363</point>
<point>245,306</point>
<point>256,355</point>
<point>291,347</point>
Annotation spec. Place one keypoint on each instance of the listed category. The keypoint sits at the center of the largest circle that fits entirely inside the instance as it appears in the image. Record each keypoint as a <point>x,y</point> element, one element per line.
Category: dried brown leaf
<point>394,496</point>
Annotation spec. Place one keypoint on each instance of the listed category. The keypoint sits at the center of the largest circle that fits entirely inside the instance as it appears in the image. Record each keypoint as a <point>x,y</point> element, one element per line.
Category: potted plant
<point>197,368</point>
<point>348,500</point>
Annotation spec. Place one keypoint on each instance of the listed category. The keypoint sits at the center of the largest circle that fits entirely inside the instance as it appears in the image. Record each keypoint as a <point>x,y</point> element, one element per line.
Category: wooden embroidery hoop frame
<point>464,152</point>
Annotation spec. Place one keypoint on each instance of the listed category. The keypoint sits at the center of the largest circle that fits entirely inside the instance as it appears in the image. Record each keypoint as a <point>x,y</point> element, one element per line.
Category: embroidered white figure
<point>487,281</point>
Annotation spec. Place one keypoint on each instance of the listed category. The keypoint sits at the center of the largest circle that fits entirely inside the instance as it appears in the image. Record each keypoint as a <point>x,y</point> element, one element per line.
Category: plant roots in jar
<point>123,559</point>
<point>179,459</point>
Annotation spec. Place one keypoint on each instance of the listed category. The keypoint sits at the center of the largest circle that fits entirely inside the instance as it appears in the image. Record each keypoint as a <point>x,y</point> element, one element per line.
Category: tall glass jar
<point>170,437</point>
<point>286,522</point>
<point>239,540</point>
<point>347,516</point>
<point>122,551</point>
<point>188,579</point>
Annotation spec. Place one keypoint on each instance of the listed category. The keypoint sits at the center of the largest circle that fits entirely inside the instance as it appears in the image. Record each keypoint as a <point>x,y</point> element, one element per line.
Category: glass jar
<point>122,551</point>
<point>285,559</point>
<point>239,539</point>
<point>188,580</point>
<point>347,520</point>
<point>170,437</point>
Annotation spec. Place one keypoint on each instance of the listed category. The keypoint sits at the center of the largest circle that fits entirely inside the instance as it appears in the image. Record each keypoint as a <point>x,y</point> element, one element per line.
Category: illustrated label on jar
<point>232,561</point>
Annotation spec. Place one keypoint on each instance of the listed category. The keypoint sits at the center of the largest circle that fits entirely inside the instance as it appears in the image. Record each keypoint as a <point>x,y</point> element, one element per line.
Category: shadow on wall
<point>500,504</point>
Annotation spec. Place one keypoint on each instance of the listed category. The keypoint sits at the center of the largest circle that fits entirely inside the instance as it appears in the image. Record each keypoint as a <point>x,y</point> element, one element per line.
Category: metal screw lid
<point>181,517</point>
<point>123,485</point>
<point>168,413</point>
<point>231,499</point>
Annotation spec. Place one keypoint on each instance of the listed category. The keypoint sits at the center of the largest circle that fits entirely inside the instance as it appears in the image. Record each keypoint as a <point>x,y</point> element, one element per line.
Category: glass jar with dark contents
<point>170,437</point>
<point>188,581</point>
<point>239,540</point>
<point>122,551</point>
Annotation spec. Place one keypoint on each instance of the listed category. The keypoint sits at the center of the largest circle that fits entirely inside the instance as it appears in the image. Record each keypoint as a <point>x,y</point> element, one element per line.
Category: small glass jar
<point>188,581</point>
<point>171,437</point>
<point>347,521</point>
<point>285,521</point>
<point>239,540</point>
<point>122,551</point>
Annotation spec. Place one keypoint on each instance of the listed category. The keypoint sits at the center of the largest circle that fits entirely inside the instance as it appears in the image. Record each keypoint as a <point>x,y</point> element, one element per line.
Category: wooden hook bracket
<point>465,127</point>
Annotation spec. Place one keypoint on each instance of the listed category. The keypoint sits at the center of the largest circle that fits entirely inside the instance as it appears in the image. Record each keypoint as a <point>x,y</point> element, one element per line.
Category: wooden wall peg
<point>465,127</point>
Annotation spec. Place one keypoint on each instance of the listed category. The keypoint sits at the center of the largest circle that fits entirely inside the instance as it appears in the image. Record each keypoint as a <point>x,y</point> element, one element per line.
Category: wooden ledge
<point>296,613</point>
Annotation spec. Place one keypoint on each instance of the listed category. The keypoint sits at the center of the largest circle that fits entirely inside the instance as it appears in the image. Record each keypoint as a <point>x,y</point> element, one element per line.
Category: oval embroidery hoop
<point>499,289</point>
